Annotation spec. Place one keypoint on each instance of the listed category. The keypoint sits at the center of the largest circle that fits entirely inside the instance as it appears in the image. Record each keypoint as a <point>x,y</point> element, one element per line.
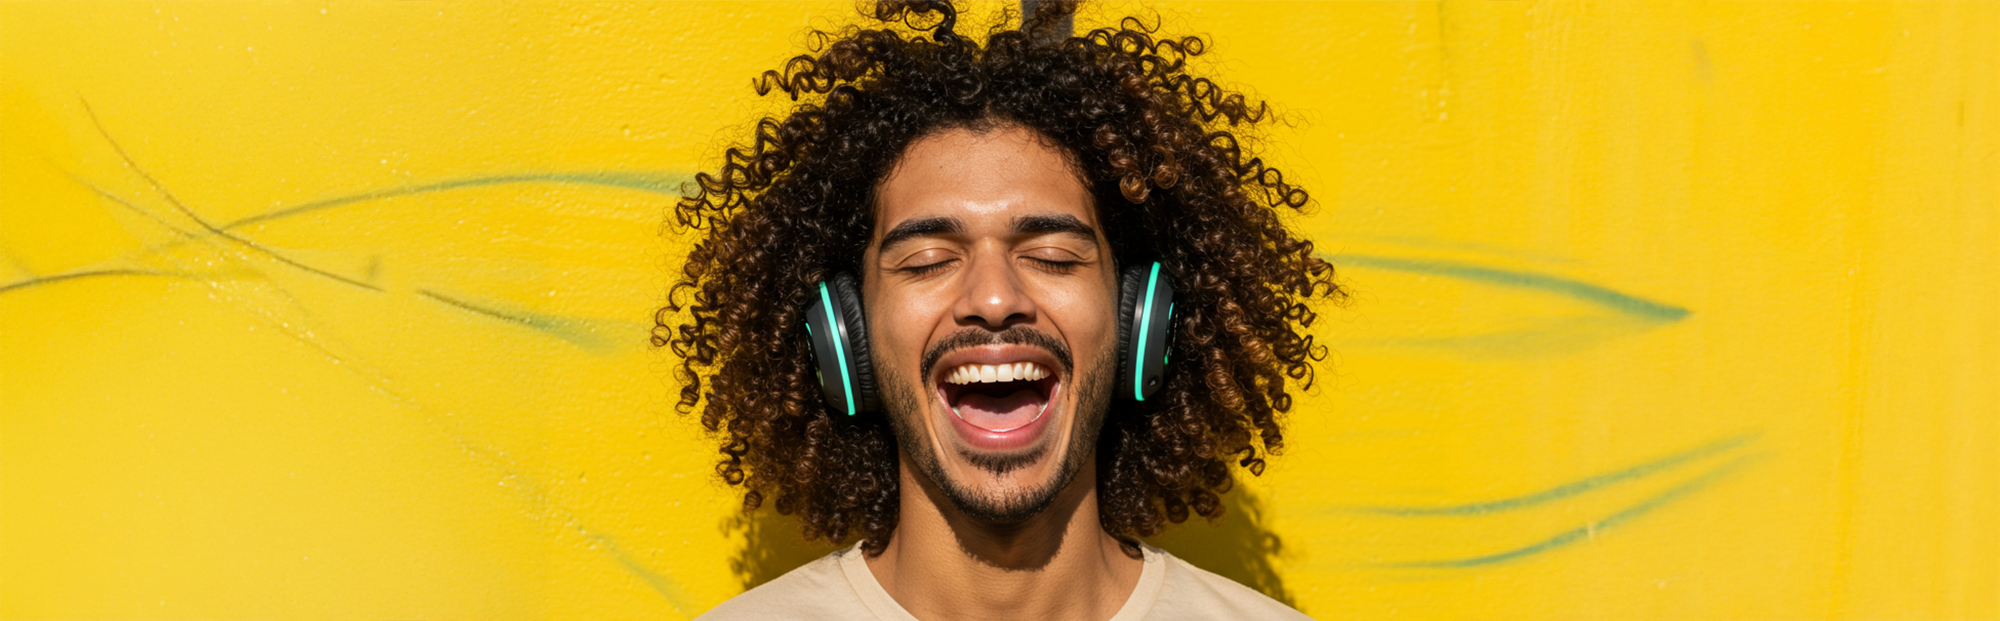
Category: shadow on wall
<point>772,546</point>
<point>1238,546</point>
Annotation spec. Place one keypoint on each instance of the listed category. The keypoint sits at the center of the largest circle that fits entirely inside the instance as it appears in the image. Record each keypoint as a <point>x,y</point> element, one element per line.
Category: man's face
<point>990,293</point>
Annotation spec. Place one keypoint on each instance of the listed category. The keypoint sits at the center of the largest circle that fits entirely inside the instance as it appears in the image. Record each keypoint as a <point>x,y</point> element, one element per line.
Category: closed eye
<point>921,270</point>
<point>1055,266</point>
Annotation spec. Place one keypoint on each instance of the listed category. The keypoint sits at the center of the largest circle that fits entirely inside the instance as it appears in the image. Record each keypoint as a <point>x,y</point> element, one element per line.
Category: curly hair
<point>1157,147</point>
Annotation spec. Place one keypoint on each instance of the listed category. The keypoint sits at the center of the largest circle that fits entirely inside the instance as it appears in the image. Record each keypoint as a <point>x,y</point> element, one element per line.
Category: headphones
<point>839,333</point>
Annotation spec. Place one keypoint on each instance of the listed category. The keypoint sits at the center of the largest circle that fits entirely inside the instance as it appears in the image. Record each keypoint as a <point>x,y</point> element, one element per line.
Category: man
<point>922,308</point>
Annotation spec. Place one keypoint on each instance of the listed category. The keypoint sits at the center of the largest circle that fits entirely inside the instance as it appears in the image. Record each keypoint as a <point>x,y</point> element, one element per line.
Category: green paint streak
<point>656,183</point>
<point>652,182</point>
<point>578,332</point>
<point>56,278</point>
<point>1590,530</point>
<point>1595,294</point>
<point>1568,489</point>
<point>661,584</point>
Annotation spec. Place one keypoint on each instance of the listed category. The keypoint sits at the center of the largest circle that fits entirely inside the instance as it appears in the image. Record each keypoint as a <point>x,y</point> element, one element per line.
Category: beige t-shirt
<point>839,586</point>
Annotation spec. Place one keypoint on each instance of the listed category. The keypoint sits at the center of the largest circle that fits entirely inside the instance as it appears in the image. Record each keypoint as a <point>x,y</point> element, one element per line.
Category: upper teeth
<point>984,373</point>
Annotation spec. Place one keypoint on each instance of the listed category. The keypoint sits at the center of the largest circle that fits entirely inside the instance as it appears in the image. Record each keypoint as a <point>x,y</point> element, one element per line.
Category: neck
<point>1059,564</point>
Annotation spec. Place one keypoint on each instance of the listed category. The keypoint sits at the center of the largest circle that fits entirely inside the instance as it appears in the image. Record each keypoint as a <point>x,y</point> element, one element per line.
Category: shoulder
<point>816,590</point>
<point>1194,593</point>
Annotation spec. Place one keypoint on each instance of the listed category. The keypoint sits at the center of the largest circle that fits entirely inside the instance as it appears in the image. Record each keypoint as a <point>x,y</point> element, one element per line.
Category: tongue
<point>1000,413</point>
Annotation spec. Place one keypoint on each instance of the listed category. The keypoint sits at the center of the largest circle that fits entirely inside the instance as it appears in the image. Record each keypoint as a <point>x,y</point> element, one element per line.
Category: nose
<point>992,297</point>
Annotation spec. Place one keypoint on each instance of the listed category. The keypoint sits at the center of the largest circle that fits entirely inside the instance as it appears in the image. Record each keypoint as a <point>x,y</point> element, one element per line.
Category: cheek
<point>898,331</point>
<point>1091,327</point>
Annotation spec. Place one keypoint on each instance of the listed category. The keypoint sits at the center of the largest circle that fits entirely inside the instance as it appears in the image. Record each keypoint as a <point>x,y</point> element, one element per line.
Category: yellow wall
<point>1666,311</point>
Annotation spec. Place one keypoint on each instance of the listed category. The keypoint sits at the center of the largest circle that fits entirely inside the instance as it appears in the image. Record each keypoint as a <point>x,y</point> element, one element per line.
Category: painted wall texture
<point>1663,311</point>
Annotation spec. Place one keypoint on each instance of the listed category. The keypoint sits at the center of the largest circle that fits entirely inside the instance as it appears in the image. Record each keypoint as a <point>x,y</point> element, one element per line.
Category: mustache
<point>1017,335</point>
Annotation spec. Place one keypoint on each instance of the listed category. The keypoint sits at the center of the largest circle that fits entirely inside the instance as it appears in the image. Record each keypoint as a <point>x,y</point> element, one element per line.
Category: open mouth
<point>998,397</point>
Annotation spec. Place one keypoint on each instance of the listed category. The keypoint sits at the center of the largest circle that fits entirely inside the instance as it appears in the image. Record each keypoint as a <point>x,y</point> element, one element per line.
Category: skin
<point>988,273</point>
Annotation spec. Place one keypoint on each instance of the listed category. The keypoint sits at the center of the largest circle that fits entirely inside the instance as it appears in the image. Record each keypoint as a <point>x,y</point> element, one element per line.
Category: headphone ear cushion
<point>846,292</point>
<point>1131,284</point>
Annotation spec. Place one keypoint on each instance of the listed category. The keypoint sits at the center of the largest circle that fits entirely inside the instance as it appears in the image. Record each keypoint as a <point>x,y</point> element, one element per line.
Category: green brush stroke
<point>1576,289</point>
<point>656,183</point>
<point>578,332</point>
<point>1567,490</point>
<point>660,584</point>
<point>56,278</point>
<point>1588,530</point>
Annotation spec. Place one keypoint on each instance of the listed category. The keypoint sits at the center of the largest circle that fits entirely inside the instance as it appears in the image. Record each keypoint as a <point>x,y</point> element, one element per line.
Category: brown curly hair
<point>1172,183</point>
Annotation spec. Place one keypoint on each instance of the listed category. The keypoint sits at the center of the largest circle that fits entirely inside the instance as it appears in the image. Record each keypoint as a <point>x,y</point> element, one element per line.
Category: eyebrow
<point>1060,223</point>
<point>1024,225</point>
<point>921,227</point>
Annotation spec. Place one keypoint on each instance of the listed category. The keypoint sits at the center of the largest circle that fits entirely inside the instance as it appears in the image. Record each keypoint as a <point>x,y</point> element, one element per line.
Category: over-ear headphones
<point>838,330</point>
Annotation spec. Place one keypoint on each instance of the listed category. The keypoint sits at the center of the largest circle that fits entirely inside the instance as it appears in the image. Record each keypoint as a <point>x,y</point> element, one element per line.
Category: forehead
<point>982,177</point>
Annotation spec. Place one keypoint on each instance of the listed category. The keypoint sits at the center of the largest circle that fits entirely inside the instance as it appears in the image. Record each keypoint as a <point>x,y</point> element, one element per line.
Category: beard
<point>1009,506</point>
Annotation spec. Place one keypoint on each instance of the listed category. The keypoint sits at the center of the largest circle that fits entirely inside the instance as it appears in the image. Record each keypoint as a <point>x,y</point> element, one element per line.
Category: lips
<point>998,397</point>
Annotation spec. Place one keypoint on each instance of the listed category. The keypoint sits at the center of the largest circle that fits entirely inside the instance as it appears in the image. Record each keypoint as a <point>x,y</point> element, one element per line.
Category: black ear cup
<point>1145,312</point>
<point>1129,283</point>
<point>847,298</point>
<point>838,330</point>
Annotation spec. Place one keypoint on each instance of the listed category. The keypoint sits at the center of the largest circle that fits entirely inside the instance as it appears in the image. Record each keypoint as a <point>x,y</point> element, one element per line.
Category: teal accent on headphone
<point>1145,317</point>
<point>839,334</point>
<point>837,328</point>
<point>1145,321</point>
<point>846,379</point>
